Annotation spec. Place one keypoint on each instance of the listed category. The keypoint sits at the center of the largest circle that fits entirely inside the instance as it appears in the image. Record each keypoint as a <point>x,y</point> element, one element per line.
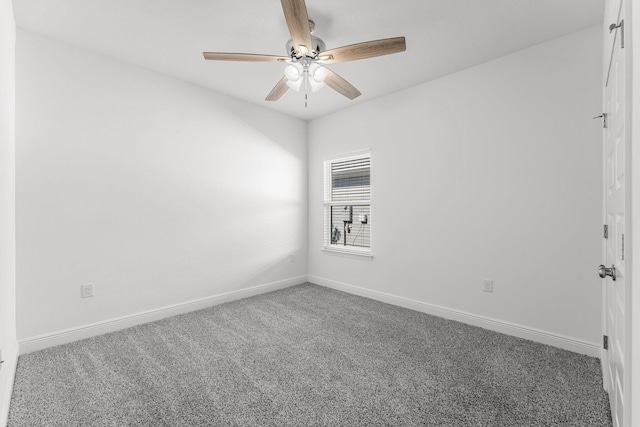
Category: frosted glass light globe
<point>293,71</point>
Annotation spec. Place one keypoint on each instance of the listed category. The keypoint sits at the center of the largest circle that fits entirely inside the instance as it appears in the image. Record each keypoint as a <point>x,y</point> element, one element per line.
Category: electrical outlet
<point>488,285</point>
<point>86,291</point>
<point>292,258</point>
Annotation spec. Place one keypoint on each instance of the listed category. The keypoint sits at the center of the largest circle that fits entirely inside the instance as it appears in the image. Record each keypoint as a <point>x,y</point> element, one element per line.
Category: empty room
<point>304,212</point>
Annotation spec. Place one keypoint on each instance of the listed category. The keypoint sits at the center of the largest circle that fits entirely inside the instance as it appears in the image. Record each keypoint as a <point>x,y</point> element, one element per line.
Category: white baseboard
<point>53,339</point>
<point>41,342</point>
<point>520,331</point>
<point>7,375</point>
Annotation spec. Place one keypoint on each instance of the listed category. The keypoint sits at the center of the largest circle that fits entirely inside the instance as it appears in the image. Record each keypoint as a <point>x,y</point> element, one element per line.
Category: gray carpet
<point>307,355</point>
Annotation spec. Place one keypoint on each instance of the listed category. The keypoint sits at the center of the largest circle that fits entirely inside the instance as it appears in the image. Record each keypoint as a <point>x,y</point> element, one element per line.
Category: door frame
<point>634,396</point>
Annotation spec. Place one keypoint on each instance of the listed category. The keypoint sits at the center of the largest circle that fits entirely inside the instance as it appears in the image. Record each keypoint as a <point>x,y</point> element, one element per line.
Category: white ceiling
<point>443,36</point>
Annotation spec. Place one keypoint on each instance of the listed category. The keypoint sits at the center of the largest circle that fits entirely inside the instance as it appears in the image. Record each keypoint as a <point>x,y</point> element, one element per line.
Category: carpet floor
<point>307,355</point>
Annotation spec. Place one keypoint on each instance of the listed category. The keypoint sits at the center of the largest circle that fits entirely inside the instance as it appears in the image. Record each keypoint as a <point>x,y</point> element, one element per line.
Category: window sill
<point>348,253</point>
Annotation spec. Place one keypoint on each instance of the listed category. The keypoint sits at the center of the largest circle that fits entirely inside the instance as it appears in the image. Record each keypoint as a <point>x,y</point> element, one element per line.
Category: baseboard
<point>7,375</point>
<point>41,342</point>
<point>520,331</point>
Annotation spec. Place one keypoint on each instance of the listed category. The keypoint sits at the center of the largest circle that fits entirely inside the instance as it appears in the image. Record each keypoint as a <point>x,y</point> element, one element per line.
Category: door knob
<point>604,271</point>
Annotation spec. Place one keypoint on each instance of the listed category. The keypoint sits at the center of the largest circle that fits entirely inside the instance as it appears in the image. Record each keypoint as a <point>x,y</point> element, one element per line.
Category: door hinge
<point>604,119</point>
<point>605,342</point>
<point>622,255</point>
<point>605,232</point>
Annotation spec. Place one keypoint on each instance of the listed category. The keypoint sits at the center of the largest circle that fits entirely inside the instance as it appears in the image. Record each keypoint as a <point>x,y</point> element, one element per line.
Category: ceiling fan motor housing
<point>317,47</point>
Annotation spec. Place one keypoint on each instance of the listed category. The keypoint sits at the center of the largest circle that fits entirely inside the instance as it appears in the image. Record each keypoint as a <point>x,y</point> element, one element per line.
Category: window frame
<point>334,249</point>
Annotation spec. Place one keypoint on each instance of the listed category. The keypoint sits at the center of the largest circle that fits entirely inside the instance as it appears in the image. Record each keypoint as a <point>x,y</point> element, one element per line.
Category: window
<point>347,204</point>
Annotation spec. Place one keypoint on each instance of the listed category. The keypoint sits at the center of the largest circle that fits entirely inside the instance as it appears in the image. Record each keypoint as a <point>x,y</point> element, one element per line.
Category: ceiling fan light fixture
<point>294,72</point>
<point>315,85</point>
<point>318,72</point>
<point>295,85</point>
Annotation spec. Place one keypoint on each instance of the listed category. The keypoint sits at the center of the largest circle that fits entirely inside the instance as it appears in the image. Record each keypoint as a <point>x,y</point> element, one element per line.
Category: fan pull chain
<point>306,86</point>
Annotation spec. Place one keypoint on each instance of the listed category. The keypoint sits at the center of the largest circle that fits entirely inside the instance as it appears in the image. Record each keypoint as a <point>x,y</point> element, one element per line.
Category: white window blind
<point>347,204</point>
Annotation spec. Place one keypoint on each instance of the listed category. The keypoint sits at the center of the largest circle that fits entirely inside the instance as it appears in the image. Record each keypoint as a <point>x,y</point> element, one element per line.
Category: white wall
<point>492,172</point>
<point>155,190</point>
<point>8,342</point>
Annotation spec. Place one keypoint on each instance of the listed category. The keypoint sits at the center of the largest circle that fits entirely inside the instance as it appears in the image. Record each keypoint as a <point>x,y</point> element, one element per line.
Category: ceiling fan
<point>308,55</point>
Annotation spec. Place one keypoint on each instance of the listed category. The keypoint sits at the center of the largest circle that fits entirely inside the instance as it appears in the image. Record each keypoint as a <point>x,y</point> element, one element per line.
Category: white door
<point>617,196</point>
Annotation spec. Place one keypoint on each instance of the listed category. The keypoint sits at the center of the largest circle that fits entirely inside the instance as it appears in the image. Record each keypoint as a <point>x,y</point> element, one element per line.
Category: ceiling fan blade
<point>279,89</point>
<point>340,85</point>
<point>363,50</point>
<point>248,57</point>
<point>295,13</point>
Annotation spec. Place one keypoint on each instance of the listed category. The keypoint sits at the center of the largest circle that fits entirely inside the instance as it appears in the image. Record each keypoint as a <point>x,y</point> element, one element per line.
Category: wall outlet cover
<point>86,291</point>
<point>488,285</point>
